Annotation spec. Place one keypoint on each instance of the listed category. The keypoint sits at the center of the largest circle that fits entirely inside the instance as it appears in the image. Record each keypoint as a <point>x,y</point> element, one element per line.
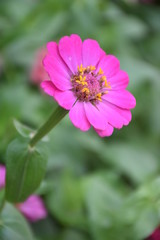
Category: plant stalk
<point>55,118</point>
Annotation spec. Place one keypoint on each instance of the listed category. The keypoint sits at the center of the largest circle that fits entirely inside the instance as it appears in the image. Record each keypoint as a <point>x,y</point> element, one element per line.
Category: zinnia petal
<point>78,116</point>
<point>105,133</point>
<point>115,116</point>
<point>119,81</point>
<point>48,87</point>
<point>91,52</point>
<point>95,116</point>
<point>70,49</point>
<point>123,99</point>
<point>66,99</point>
<point>56,68</point>
<point>110,65</point>
<point>102,53</point>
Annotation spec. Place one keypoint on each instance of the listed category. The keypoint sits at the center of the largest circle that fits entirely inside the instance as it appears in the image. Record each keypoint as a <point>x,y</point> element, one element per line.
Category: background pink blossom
<point>2,176</point>
<point>38,74</point>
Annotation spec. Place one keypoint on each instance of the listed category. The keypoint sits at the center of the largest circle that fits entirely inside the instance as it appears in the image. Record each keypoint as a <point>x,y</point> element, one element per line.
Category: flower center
<point>89,85</point>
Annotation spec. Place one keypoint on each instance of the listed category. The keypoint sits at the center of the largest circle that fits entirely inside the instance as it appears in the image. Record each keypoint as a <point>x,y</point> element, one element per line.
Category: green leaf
<point>103,202</point>
<point>13,226</point>
<point>66,202</point>
<point>23,130</point>
<point>137,163</point>
<point>25,170</point>
<point>26,131</point>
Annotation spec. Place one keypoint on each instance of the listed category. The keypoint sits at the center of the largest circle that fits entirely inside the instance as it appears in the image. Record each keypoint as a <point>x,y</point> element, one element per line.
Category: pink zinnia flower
<point>2,176</point>
<point>155,235</point>
<point>38,74</point>
<point>33,208</point>
<point>88,83</point>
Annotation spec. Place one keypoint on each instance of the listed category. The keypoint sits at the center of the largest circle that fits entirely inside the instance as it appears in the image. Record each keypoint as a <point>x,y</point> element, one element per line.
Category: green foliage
<point>23,130</point>
<point>13,225</point>
<point>66,202</point>
<point>94,189</point>
<point>25,170</point>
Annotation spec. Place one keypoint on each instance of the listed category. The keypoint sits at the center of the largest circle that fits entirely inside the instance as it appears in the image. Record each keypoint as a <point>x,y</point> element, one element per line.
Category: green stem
<point>2,203</point>
<point>55,117</point>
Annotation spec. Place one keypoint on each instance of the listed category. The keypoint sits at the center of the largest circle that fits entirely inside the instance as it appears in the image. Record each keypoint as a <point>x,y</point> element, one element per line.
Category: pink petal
<point>70,49</point>
<point>105,133</point>
<point>2,176</point>
<point>126,114</point>
<point>91,52</point>
<point>119,80</point>
<point>48,87</point>
<point>65,99</point>
<point>102,53</point>
<point>56,68</point>
<point>33,208</point>
<point>115,116</point>
<point>95,116</point>
<point>110,65</point>
<point>78,116</point>
<point>123,99</point>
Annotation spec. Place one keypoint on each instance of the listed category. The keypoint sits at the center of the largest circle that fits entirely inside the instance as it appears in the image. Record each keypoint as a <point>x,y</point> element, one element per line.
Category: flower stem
<point>55,117</point>
<point>2,203</point>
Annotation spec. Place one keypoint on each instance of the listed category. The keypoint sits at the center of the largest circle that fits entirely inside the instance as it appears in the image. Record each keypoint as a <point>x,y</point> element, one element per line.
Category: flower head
<point>155,235</point>
<point>38,74</point>
<point>88,83</point>
<point>33,208</point>
<point>2,176</point>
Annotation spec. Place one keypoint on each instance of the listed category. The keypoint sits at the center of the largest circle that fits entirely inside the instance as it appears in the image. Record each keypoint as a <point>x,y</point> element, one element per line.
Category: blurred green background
<point>94,189</point>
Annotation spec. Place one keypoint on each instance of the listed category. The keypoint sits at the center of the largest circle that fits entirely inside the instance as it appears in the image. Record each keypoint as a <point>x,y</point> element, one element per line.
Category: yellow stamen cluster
<point>89,85</point>
<point>82,69</point>
<point>86,90</point>
<point>91,68</point>
<point>81,80</point>
<point>98,96</point>
<point>106,84</point>
<point>100,72</point>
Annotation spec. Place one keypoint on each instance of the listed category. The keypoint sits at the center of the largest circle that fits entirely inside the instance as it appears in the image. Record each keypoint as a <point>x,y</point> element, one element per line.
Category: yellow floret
<point>92,68</point>
<point>86,90</point>
<point>103,78</point>
<point>100,71</point>
<point>84,83</point>
<point>77,81</point>
<point>98,96</point>
<point>84,78</point>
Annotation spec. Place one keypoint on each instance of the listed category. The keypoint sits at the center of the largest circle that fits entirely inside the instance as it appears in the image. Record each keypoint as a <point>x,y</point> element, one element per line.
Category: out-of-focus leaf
<point>72,235</point>
<point>25,170</point>
<point>103,204</point>
<point>66,202</point>
<point>140,211</point>
<point>24,130</point>
<point>135,162</point>
<point>13,226</point>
